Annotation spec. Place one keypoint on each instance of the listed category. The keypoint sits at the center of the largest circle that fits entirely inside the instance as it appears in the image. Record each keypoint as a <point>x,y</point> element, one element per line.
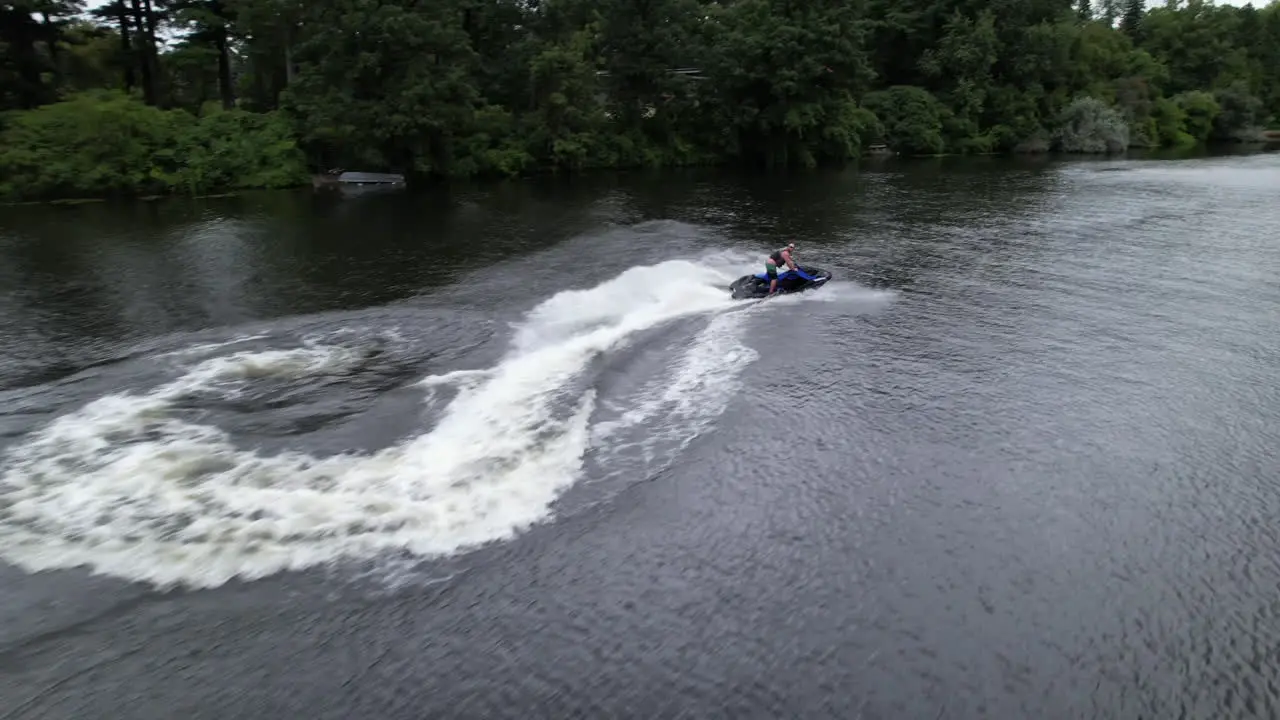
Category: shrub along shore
<point>265,93</point>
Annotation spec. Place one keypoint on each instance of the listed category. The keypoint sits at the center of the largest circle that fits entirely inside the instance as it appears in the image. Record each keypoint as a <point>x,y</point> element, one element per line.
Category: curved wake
<point>126,487</point>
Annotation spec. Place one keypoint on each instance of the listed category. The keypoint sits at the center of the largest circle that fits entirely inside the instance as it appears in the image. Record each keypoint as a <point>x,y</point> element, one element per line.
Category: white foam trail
<point>691,395</point>
<point>126,488</point>
<point>457,377</point>
<point>639,292</point>
<point>698,388</point>
<point>231,373</point>
<point>192,351</point>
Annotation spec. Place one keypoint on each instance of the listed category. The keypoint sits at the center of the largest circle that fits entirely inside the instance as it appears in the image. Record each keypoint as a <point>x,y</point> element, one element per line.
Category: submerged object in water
<point>790,281</point>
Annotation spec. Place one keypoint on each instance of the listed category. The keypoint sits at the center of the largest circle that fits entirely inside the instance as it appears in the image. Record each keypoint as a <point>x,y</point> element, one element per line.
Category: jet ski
<point>789,281</point>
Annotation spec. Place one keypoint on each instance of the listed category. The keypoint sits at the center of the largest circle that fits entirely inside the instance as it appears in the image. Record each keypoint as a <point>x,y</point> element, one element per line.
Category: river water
<point>512,451</point>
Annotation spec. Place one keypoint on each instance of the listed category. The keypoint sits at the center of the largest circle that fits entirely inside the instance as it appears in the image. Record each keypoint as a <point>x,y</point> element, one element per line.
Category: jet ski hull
<point>757,284</point>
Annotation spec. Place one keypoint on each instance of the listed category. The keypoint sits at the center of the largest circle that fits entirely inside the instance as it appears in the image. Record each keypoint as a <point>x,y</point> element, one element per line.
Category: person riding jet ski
<point>792,278</point>
<point>779,257</point>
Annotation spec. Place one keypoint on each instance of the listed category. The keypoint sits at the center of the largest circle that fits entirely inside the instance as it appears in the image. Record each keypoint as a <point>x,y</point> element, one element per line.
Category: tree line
<point>193,95</point>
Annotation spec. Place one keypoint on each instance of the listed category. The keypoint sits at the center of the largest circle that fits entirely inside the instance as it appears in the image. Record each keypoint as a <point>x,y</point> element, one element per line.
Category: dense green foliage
<point>141,96</point>
<point>102,142</point>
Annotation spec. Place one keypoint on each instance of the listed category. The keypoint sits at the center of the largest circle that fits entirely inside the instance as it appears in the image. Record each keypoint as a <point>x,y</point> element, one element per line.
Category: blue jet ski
<point>804,277</point>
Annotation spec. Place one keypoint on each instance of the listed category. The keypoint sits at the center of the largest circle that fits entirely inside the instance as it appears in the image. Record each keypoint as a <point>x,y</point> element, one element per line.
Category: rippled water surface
<point>514,452</point>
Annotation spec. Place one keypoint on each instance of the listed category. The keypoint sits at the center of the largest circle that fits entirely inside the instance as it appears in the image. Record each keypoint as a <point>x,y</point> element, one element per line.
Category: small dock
<point>350,183</point>
<point>347,180</point>
<point>368,178</point>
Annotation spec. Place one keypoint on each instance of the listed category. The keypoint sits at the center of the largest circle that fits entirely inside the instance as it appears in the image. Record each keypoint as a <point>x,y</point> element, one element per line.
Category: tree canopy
<point>155,95</point>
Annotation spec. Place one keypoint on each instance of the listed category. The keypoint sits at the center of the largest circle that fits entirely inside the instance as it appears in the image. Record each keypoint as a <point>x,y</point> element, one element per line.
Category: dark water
<point>1019,460</point>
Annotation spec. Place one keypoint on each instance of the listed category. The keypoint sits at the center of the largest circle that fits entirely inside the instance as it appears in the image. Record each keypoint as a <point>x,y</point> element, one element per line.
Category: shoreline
<point>1270,139</point>
<point>134,198</point>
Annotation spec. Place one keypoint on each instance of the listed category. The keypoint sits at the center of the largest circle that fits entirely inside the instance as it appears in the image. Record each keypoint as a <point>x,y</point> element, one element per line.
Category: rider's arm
<point>786,255</point>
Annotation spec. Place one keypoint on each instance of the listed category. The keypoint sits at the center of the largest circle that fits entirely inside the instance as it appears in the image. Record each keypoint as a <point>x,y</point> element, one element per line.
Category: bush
<point>234,149</point>
<point>911,118</point>
<point>103,143</point>
<point>848,129</point>
<point>1171,124</point>
<point>95,143</point>
<point>1200,110</point>
<point>1088,125</point>
<point>1240,114</point>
